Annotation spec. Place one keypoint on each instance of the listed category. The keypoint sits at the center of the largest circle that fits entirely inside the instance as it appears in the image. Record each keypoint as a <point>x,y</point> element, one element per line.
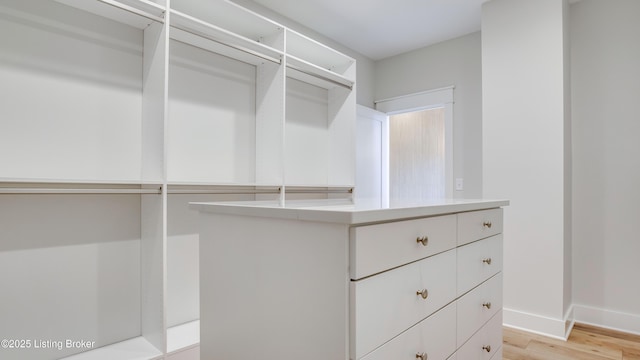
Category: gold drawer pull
<point>487,305</point>
<point>487,261</point>
<point>421,356</point>
<point>424,240</point>
<point>424,293</point>
<point>487,348</point>
<point>487,224</point>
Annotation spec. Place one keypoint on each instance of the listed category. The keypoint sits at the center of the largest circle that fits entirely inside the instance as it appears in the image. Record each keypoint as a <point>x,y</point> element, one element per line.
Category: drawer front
<point>476,225</point>
<point>375,248</point>
<point>478,261</point>
<point>478,306</point>
<point>485,343</point>
<point>434,337</point>
<point>498,354</point>
<point>384,305</point>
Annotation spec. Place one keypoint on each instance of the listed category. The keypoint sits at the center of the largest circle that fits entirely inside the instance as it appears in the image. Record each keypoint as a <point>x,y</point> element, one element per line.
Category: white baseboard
<point>542,325</point>
<point>607,319</point>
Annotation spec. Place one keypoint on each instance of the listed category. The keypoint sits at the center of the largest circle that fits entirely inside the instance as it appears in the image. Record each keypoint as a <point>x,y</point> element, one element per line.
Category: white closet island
<point>331,280</point>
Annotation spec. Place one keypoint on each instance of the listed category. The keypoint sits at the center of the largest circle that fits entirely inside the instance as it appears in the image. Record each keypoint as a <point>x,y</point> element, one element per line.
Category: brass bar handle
<point>487,261</point>
<point>424,240</point>
<point>487,348</point>
<point>421,356</point>
<point>424,293</point>
<point>487,305</point>
<point>487,224</point>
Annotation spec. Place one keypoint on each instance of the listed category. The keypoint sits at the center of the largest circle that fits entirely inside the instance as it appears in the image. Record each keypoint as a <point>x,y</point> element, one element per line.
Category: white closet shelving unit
<point>118,113</point>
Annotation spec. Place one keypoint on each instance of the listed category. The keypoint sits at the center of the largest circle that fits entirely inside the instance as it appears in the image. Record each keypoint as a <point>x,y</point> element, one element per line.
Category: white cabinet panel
<point>478,261</point>
<point>375,248</point>
<point>478,306</point>
<point>476,225</point>
<point>485,343</point>
<point>386,304</point>
<point>432,337</point>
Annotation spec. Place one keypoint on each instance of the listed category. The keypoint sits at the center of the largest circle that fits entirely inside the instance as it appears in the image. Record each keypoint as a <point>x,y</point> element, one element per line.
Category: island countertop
<point>343,211</point>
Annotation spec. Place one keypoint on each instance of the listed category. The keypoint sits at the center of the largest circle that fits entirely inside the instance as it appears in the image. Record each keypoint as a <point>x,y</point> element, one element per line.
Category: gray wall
<point>606,152</point>
<point>455,62</point>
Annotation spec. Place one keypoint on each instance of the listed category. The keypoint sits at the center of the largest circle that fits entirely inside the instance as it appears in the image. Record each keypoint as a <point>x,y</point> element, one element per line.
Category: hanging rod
<point>211,38</point>
<point>132,10</point>
<point>224,191</point>
<point>319,191</point>
<point>260,191</point>
<point>36,191</point>
<point>318,76</point>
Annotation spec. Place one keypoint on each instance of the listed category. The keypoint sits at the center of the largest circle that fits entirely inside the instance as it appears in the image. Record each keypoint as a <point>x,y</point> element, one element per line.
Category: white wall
<point>524,92</point>
<point>606,126</point>
<point>454,62</point>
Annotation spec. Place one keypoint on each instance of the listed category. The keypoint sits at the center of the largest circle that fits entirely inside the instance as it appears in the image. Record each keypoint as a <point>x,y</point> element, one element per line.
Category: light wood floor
<point>585,343</point>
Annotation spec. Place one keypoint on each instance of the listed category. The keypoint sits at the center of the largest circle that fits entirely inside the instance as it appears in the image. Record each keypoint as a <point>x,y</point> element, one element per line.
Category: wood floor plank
<point>585,343</point>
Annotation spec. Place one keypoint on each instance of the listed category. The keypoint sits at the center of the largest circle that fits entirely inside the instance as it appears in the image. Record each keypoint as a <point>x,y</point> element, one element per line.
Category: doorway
<point>417,156</point>
<point>410,177</point>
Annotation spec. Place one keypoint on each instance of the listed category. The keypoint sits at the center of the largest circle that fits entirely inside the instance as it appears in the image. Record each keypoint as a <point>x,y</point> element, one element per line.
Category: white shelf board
<point>136,13</point>
<point>312,74</point>
<point>230,16</point>
<point>210,37</point>
<point>72,182</point>
<point>132,349</point>
<point>303,47</point>
<point>183,336</point>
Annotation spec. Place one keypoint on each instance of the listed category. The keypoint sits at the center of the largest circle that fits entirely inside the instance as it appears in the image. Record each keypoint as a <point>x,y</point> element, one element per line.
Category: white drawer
<point>478,306</point>
<point>485,343</point>
<point>384,305</point>
<point>478,261</point>
<point>498,354</point>
<point>476,225</point>
<point>375,248</point>
<point>434,337</point>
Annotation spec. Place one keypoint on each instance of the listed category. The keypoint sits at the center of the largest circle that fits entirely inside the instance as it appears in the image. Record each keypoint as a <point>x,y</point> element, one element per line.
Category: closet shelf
<point>313,74</point>
<point>183,336</point>
<point>136,13</point>
<point>201,34</point>
<point>303,47</point>
<point>133,349</point>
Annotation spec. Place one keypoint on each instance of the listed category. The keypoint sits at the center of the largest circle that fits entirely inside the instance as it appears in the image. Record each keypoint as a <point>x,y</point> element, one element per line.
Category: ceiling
<point>382,28</point>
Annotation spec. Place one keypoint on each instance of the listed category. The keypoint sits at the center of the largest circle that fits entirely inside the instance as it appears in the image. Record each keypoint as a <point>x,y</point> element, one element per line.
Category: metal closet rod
<point>319,191</point>
<point>318,76</point>
<point>79,191</point>
<point>224,191</point>
<point>260,191</point>
<point>236,47</point>
<point>152,191</point>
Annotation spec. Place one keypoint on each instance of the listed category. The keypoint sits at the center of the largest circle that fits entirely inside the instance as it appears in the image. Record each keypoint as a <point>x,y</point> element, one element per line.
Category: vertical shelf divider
<point>154,208</point>
<point>270,105</point>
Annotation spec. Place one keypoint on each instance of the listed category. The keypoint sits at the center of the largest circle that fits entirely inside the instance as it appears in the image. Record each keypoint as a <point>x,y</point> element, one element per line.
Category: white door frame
<point>424,100</point>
